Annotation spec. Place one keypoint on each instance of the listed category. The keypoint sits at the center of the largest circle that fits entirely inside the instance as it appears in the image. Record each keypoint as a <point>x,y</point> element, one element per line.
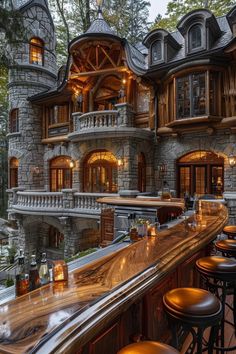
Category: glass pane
<point>67,178</point>
<point>195,37</point>
<point>200,184</point>
<point>199,94</point>
<point>183,97</point>
<point>184,177</point>
<point>156,52</point>
<point>53,180</point>
<point>59,180</point>
<point>217,180</point>
<point>213,90</point>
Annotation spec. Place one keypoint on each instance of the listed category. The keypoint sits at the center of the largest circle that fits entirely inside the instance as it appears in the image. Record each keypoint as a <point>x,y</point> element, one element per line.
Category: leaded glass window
<point>191,95</point>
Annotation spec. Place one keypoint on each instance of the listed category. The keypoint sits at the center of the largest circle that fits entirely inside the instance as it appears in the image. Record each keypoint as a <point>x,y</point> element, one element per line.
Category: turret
<point>32,70</point>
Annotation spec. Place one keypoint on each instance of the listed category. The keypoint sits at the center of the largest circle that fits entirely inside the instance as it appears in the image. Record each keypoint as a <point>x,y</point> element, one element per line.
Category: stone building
<point>117,117</point>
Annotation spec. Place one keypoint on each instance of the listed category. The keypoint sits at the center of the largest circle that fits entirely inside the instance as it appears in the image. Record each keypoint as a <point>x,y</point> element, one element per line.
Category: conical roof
<point>99,25</point>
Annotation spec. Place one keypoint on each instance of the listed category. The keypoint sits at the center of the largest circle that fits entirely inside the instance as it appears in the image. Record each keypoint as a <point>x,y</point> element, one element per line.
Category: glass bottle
<point>44,271</point>
<point>22,278</point>
<point>34,280</point>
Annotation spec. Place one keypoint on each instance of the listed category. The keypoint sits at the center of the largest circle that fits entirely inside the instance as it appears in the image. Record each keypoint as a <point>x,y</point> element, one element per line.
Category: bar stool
<point>219,275</point>
<point>227,247</point>
<point>193,310</point>
<point>230,231</point>
<point>148,347</point>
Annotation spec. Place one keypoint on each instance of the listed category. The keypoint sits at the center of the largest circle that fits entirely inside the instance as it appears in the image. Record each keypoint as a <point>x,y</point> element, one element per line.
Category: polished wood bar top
<point>62,317</point>
<point>142,202</point>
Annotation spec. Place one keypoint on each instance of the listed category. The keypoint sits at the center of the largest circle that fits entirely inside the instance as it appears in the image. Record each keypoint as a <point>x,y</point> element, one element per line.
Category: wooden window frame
<point>13,172</point>
<point>154,62</point>
<point>189,38</point>
<point>38,48</point>
<point>63,170</point>
<point>14,121</point>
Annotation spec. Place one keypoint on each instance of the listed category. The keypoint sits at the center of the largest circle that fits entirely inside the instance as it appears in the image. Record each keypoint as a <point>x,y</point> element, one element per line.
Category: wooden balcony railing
<point>66,201</point>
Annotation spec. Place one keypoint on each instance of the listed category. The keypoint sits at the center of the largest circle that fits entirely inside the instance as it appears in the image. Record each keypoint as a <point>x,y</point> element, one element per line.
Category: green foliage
<point>9,282</point>
<point>80,254</point>
<point>177,9</point>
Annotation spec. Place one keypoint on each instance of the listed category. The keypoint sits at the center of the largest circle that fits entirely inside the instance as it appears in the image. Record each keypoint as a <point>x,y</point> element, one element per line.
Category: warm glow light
<point>232,160</point>
<point>124,81</point>
<point>119,162</point>
<point>71,164</point>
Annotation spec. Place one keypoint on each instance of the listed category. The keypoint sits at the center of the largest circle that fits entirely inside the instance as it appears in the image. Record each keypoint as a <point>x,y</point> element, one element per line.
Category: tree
<point>138,26</point>
<point>178,8</point>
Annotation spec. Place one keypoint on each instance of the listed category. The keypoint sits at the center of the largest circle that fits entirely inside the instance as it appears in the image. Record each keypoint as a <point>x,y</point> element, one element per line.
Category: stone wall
<point>169,149</point>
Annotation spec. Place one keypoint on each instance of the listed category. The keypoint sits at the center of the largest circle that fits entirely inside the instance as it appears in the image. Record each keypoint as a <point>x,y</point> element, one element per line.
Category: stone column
<point>230,198</point>
<point>125,114</point>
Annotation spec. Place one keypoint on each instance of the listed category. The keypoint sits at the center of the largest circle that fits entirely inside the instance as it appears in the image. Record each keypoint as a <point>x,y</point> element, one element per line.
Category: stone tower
<point>28,77</point>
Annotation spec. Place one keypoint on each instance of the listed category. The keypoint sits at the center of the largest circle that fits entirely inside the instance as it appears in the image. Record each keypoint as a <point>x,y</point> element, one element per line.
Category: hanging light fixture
<point>232,160</point>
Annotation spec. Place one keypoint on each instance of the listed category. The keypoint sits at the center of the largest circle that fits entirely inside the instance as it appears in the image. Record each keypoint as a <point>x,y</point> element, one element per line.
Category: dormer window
<point>36,51</point>
<point>195,37</point>
<point>156,52</point>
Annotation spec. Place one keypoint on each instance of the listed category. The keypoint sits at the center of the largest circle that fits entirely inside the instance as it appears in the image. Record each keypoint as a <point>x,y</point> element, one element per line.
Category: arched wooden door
<point>200,172</point>
<point>60,173</point>
<point>100,173</point>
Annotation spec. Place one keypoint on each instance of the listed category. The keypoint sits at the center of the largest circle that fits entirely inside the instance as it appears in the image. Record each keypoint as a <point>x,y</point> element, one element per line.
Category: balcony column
<point>68,198</point>
<point>125,114</point>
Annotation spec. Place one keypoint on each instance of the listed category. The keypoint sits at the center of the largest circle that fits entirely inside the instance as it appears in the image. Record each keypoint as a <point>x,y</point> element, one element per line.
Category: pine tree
<point>178,8</point>
<point>138,25</point>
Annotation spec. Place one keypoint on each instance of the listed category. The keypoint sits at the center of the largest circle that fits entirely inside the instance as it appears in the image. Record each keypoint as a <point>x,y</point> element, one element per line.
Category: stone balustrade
<point>65,202</point>
<point>98,120</point>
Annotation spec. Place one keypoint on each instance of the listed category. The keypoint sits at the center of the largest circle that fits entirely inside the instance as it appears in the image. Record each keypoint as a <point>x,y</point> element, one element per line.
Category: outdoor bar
<point>116,299</point>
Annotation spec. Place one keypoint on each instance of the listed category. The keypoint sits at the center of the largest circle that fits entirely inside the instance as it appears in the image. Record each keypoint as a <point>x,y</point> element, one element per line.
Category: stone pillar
<point>125,114</point>
<point>68,198</point>
<point>230,198</point>
<point>70,238</point>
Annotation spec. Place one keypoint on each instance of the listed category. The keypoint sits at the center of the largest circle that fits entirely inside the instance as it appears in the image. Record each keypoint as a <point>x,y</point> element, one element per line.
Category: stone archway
<point>200,172</point>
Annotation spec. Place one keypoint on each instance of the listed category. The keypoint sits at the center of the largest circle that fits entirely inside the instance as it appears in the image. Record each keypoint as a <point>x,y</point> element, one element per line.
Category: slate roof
<point>99,25</point>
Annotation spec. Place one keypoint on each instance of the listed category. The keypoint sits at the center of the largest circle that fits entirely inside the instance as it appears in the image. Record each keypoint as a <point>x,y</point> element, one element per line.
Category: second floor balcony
<point>118,122</point>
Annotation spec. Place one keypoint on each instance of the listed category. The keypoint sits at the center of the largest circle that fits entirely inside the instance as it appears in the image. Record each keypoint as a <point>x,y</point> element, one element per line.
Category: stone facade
<point>117,132</point>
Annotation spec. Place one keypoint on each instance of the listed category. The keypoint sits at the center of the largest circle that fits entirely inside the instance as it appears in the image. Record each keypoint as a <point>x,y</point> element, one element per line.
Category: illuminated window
<point>195,37</point>
<point>100,173</point>
<point>55,238</point>
<point>60,173</point>
<point>201,172</point>
<point>36,51</point>
<point>14,121</point>
<point>14,164</point>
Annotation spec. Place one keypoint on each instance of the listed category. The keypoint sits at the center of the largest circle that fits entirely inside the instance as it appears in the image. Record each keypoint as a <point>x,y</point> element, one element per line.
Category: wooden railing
<point>66,201</point>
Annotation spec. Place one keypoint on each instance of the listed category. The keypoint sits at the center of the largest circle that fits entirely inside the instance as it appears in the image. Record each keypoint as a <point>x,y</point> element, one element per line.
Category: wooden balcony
<point>67,202</point>
<point>107,124</point>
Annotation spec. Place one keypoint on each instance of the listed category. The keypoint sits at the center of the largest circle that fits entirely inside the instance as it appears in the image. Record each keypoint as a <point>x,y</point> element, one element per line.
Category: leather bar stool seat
<point>227,247</point>
<point>218,267</point>
<point>219,276</point>
<point>193,310</point>
<point>230,231</point>
<point>148,347</point>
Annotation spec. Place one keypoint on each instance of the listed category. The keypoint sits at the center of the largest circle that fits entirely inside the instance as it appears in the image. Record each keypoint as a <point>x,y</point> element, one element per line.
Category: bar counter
<point>117,296</point>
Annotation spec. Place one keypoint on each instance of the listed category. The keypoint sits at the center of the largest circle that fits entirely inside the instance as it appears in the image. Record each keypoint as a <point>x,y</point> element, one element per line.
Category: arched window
<point>201,172</point>
<point>14,121</point>
<point>141,172</point>
<point>156,52</point>
<point>55,238</point>
<point>14,163</point>
<point>100,173</point>
<point>195,37</point>
<point>36,51</point>
<point>60,173</point>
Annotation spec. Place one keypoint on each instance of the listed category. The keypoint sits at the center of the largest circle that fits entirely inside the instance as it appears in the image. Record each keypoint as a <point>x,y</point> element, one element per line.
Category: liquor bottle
<point>34,280</point>
<point>22,278</point>
<point>44,271</point>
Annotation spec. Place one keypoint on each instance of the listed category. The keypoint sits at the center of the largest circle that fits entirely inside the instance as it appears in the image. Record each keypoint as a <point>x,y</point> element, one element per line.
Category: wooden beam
<point>99,72</point>
<point>109,58</point>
